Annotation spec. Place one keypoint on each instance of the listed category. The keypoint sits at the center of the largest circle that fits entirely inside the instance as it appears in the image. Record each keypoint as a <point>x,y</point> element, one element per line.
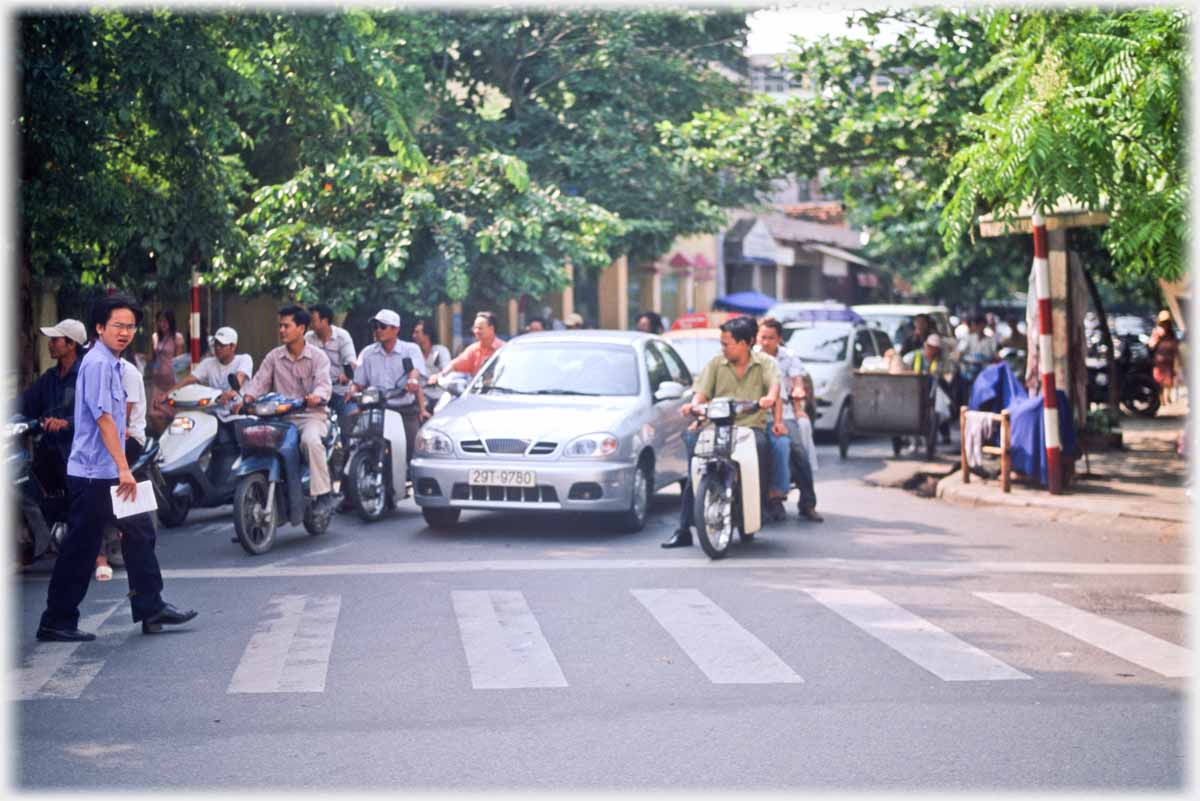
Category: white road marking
<point>304,556</point>
<point>1126,642</point>
<point>1176,600</point>
<point>504,645</point>
<point>820,567</point>
<point>724,651</point>
<point>56,670</point>
<point>931,647</point>
<point>289,653</point>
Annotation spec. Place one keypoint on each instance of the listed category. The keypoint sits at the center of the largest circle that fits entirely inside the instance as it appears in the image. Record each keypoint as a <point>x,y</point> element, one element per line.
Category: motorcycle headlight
<point>271,408</point>
<point>182,425</point>
<point>599,445</point>
<point>371,396</point>
<point>431,442</point>
<point>15,429</point>
<point>718,410</point>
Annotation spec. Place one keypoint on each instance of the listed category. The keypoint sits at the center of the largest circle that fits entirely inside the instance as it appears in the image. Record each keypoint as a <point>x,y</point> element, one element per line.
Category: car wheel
<point>634,519</point>
<point>845,423</point>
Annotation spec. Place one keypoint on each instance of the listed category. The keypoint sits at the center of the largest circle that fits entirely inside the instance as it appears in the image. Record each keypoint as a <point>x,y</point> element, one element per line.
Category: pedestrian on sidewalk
<point>165,344</point>
<point>97,464</point>
<point>1165,347</point>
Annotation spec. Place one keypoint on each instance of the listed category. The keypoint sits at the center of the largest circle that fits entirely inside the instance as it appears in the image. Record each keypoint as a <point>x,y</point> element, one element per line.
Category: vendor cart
<point>895,404</point>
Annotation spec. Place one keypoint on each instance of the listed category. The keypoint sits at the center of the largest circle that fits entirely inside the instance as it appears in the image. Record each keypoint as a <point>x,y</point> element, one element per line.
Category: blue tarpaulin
<point>747,302</point>
<point>997,388</point>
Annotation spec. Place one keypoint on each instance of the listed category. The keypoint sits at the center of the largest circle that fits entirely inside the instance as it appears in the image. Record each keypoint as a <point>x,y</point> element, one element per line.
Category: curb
<point>949,490</point>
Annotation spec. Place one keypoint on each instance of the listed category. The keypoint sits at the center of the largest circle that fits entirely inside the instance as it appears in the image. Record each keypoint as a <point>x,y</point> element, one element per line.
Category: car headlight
<point>592,445</point>
<point>431,442</point>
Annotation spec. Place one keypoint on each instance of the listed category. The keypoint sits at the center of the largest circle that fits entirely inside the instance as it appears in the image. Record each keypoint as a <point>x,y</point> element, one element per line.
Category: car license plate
<point>502,478</point>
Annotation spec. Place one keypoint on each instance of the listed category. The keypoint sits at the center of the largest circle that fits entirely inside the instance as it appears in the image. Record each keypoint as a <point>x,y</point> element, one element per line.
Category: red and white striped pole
<point>194,322</point>
<point>1041,272</point>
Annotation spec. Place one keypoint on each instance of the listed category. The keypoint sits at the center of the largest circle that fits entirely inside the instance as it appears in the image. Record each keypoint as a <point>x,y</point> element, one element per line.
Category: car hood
<point>546,419</point>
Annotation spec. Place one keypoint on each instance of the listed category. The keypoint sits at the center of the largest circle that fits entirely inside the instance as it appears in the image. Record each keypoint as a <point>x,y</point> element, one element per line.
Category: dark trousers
<point>91,510</point>
<point>411,415</point>
<point>687,504</point>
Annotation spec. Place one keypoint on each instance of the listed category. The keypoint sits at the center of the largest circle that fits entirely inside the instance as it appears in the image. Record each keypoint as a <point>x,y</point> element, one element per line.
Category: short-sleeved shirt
<point>379,368</point>
<point>135,394</point>
<point>53,395</point>
<point>473,358</point>
<point>720,380</point>
<point>438,361</point>
<point>340,350</point>
<point>99,389</point>
<point>211,373</point>
<point>294,378</point>
<point>791,370</point>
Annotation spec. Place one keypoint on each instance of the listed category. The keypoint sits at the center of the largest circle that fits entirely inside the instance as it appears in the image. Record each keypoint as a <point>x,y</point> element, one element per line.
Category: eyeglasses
<point>131,327</point>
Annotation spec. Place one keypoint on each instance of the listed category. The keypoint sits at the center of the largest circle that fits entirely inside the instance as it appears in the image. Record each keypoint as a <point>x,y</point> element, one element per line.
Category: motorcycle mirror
<point>408,365</point>
<point>348,372</point>
<point>234,384</point>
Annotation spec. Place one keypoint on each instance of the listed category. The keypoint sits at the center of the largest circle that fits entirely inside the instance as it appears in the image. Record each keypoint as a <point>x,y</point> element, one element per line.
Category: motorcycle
<point>42,520</point>
<point>374,472</point>
<point>272,474</point>
<point>1138,392</point>
<point>198,448</point>
<point>724,473</point>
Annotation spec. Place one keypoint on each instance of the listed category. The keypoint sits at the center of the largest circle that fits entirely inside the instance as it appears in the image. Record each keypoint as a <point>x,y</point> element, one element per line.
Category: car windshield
<point>819,343</point>
<point>696,352</point>
<point>561,368</point>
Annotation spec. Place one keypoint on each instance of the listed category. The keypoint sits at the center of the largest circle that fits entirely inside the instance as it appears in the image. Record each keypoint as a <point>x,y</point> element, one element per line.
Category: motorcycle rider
<point>297,369</point>
<point>214,371</point>
<point>473,357</point>
<point>338,346</point>
<point>381,364</point>
<point>739,373</point>
<point>51,400</point>
<point>791,448</point>
<point>436,356</point>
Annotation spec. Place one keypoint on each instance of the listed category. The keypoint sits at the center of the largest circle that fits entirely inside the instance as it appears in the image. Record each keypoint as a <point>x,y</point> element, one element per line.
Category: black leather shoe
<point>167,616</point>
<point>810,513</point>
<point>48,634</point>
<point>680,538</point>
<point>775,511</point>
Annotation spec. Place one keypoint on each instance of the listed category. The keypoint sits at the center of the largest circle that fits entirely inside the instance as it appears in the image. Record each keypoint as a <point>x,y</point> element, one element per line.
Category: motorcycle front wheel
<point>365,486</point>
<point>253,521</point>
<point>713,516</point>
<point>1140,395</point>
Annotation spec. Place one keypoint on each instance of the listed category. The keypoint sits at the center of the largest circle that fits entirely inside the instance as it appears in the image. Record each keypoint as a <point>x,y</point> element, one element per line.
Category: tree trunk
<point>1106,335</point>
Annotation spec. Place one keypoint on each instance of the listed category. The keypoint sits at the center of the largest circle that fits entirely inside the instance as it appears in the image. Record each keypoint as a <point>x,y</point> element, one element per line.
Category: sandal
<point>103,573</point>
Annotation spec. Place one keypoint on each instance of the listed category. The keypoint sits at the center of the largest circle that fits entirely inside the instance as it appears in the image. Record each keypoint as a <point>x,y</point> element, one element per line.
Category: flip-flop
<point>103,573</point>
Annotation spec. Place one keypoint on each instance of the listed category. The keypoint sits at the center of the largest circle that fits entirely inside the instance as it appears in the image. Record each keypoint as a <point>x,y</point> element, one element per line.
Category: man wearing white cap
<point>51,400</point>
<point>214,371</point>
<point>381,364</point>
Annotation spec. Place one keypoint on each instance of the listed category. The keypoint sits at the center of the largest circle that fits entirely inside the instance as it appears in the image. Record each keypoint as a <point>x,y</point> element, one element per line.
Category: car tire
<point>633,519</point>
<point>844,428</point>
<point>441,518</point>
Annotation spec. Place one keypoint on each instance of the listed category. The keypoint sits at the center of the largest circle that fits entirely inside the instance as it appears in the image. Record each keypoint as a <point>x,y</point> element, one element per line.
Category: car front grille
<point>540,494</point>
<point>543,448</point>
<point>508,446</point>
<point>472,446</point>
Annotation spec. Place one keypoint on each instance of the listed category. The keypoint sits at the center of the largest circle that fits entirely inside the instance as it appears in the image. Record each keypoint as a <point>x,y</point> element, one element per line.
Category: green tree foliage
<point>577,96</point>
<point>1085,105</point>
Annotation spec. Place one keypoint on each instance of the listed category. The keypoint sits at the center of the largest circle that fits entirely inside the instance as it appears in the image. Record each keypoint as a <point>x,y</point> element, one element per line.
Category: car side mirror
<point>669,390</point>
<point>456,386</point>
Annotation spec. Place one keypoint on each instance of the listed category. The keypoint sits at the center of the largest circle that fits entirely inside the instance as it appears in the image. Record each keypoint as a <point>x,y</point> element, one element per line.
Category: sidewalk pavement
<point>1144,481</point>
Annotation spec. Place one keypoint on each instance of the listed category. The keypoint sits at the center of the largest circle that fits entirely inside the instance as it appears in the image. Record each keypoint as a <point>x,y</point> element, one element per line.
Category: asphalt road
<point>903,645</point>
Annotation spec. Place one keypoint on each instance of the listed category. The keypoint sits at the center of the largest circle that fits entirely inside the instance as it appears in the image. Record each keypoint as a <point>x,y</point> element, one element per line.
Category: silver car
<point>559,420</point>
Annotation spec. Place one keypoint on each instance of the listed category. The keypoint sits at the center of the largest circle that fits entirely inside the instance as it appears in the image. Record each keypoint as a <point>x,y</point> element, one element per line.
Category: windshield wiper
<point>565,392</point>
<point>507,390</point>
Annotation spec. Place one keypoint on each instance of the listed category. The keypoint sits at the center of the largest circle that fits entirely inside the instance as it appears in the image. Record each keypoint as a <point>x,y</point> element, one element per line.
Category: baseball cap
<point>71,329</point>
<point>933,341</point>
<point>226,335</point>
<point>387,317</point>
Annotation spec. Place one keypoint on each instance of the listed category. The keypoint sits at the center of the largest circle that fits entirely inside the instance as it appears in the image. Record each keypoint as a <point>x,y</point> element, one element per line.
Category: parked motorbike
<point>272,474</point>
<point>42,516</point>
<point>724,474</point>
<point>374,472</point>
<point>198,451</point>
<point>1138,391</point>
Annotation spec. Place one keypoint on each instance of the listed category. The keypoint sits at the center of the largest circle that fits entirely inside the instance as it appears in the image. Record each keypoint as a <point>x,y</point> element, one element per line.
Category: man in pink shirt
<point>477,353</point>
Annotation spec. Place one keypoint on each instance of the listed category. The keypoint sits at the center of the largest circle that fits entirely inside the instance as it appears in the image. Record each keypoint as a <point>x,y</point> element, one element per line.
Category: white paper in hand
<point>143,503</point>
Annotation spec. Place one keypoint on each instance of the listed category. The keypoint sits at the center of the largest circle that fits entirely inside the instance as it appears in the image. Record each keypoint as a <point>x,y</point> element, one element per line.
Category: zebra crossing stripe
<point>724,651</point>
<point>289,652</point>
<point>931,647</point>
<point>503,642</point>
<point>1126,642</point>
<point>1176,600</point>
<point>58,670</point>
